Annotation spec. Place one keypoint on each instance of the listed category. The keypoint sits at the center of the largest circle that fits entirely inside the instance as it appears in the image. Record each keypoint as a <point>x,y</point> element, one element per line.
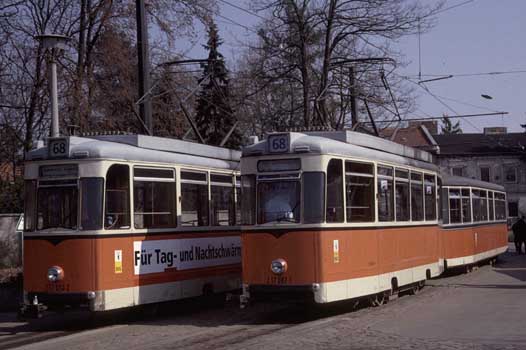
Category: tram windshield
<point>279,201</point>
<point>57,207</point>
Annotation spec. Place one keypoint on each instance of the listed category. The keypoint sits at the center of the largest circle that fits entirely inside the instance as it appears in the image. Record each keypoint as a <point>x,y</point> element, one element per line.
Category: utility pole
<point>145,108</point>
<point>352,93</point>
<point>53,43</point>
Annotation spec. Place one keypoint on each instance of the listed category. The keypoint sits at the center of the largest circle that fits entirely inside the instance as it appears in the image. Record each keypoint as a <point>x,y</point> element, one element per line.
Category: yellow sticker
<point>118,261</point>
<point>336,251</point>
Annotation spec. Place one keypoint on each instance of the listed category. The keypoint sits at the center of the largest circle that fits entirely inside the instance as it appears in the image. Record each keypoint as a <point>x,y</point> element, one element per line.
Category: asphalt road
<point>484,309</point>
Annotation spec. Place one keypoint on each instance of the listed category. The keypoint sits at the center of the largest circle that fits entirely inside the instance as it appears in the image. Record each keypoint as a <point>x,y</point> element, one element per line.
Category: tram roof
<point>451,180</point>
<point>146,149</point>
<point>350,143</point>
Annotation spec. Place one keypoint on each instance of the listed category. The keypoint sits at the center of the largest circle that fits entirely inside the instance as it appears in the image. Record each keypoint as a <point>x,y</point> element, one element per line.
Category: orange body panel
<point>89,263</point>
<point>311,256</point>
<point>466,241</point>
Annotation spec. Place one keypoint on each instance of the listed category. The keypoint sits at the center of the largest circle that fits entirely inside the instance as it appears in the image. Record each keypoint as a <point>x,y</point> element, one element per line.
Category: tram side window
<point>477,205</point>
<point>466,206</point>
<point>313,197</point>
<point>444,198</point>
<point>334,209</point>
<point>223,209</point>
<point>91,194</point>
<point>430,197</point>
<point>248,199</point>
<point>491,206</point>
<point>417,197</point>
<point>402,195</point>
<point>455,215</point>
<point>237,201</point>
<point>440,200</point>
<point>194,199</point>
<point>500,206</point>
<point>385,194</point>
<point>484,205</point>
<point>117,215</point>
<point>359,179</point>
<point>30,191</point>
<point>154,198</point>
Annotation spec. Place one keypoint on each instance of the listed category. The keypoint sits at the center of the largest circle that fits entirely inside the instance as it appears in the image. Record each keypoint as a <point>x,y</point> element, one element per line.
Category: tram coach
<point>124,220</point>
<point>340,215</point>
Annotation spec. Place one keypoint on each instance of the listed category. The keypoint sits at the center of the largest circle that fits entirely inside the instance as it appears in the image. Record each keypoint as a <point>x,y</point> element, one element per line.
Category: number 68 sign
<point>58,147</point>
<point>278,143</point>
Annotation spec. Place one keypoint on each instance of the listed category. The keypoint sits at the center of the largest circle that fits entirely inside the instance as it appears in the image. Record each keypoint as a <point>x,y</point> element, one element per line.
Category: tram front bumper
<point>282,292</point>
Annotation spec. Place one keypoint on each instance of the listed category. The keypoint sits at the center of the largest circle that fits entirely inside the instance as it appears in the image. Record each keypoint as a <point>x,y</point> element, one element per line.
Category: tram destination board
<point>58,147</point>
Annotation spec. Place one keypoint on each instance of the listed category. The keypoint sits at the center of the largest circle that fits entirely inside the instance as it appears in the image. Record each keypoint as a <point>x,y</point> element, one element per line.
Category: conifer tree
<point>448,128</point>
<point>214,114</point>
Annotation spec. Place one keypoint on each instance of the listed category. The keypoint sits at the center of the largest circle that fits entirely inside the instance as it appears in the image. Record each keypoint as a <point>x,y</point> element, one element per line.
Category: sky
<point>478,36</point>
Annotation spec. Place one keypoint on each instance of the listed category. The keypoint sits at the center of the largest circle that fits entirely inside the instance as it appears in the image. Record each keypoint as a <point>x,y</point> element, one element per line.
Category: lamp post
<point>53,43</point>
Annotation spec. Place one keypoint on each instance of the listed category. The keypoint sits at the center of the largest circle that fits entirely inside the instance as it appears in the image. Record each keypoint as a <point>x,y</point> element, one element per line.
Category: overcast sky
<point>480,36</point>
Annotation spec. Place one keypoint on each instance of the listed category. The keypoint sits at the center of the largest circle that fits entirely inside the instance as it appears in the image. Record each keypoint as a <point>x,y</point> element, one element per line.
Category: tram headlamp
<point>55,273</point>
<point>278,266</point>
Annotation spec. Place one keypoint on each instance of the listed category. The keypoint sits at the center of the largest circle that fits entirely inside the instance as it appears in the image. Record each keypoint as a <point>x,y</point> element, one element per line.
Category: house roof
<point>473,144</point>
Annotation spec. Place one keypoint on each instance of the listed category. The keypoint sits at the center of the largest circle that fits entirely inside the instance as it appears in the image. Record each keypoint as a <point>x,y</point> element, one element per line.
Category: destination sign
<point>60,170</point>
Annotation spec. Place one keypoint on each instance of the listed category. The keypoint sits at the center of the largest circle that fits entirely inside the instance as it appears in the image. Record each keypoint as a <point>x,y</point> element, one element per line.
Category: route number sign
<point>58,147</point>
<point>278,143</point>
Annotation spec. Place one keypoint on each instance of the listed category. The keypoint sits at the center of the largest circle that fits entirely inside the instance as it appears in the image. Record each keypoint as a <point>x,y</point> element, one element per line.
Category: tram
<point>330,216</point>
<point>114,221</point>
<point>474,221</point>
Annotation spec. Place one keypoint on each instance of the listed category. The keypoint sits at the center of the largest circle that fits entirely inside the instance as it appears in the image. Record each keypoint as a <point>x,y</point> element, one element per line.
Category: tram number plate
<point>278,143</point>
<point>277,280</point>
<point>58,147</point>
<point>58,287</point>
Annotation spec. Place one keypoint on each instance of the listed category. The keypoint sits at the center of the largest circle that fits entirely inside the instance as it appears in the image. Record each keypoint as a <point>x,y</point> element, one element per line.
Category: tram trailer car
<point>329,216</point>
<point>124,220</point>
<point>474,221</point>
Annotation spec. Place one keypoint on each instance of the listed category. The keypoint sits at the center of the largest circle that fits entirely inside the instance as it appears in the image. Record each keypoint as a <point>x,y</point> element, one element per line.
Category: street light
<point>53,43</point>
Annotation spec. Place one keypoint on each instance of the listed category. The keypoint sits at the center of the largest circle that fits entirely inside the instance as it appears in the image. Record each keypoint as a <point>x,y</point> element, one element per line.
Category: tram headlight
<point>55,273</point>
<point>278,266</point>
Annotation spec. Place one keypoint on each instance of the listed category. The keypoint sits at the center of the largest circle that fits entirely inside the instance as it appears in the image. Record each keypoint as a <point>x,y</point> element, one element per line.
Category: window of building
<point>417,197</point>
<point>117,214</point>
<point>222,200</point>
<point>334,210</point>
<point>194,199</point>
<point>510,174</point>
<point>457,171</point>
<point>455,215</point>
<point>154,198</point>
<point>402,195</point>
<point>359,179</point>
<point>385,193</point>
<point>313,197</point>
<point>466,205</point>
<point>485,173</point>
<point>513,209</point>
<point>430,197</point>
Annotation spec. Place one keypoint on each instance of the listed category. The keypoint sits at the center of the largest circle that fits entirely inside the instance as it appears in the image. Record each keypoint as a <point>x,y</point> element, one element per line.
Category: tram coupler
<point>32,310</point>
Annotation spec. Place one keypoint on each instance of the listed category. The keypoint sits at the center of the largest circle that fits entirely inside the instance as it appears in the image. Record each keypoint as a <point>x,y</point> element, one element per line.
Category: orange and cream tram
<point>474,221</point>
<point>122,220</point>
<point>340,215</point>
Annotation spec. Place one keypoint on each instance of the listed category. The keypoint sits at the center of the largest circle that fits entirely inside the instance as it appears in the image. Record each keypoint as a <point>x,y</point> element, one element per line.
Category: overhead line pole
<point>145,107</point>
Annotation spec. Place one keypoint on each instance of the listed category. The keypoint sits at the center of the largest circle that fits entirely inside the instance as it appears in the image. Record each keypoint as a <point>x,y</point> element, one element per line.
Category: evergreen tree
<point>214,115</point>
<point>448,128</point>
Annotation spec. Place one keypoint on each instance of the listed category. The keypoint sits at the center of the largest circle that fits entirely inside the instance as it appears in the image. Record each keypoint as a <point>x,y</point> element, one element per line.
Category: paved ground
<point>485,309</point>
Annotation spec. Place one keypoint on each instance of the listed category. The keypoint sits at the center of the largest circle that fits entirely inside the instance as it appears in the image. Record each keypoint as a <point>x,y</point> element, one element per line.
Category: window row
<point>403,195</point>
<point>510,173</point>
<point>465,205</point>
<point>155,198</point>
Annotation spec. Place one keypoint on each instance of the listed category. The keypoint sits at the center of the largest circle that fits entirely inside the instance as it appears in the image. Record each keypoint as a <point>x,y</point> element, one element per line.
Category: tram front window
<point>57,206</point>
<point>279,201</point>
